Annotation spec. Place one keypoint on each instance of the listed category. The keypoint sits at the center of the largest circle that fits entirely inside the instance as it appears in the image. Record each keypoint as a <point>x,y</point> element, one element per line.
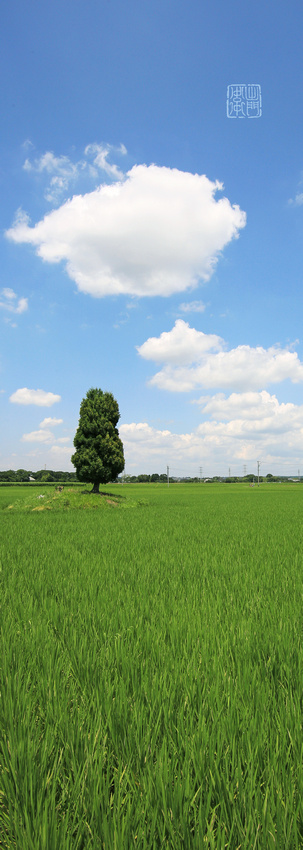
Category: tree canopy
<point>99,453</point>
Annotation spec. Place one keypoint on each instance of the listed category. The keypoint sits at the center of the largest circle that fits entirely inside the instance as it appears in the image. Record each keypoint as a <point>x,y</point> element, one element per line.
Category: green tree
<point>99,451</point>
<point>22,475</point>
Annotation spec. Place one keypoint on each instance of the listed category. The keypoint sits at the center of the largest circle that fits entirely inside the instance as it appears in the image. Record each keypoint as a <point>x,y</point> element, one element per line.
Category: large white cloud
<point>193,359</point>
<point>157,232</point>
<point>38,397</point>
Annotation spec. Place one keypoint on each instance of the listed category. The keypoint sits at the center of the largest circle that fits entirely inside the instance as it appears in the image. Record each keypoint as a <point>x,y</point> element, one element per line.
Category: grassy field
<point>151,668</point>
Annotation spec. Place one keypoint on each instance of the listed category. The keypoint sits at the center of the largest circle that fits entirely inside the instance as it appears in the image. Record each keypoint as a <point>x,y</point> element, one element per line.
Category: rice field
<point>151,668</point>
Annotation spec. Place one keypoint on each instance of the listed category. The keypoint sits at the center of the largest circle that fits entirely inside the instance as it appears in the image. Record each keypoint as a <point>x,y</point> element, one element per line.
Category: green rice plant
<point>152,669</point>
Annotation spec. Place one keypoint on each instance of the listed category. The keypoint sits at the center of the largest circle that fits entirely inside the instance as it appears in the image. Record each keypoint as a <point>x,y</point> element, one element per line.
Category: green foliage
<point>152,671</point>
<point>99,451</point>
<point>24,476</point>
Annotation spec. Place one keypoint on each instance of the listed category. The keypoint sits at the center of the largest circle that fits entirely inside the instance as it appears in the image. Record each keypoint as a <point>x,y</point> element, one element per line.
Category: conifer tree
<point>99,456</point>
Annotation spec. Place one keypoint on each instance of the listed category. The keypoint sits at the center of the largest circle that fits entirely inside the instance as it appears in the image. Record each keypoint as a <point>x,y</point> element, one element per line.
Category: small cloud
<point>62,450</point>
<point>10,303</point>
<point>27,145</point>
<point>100,154</point>
<point>122,319</point>
<point>38,397</point>
<point>297,201</point>
<point>49,420</point>
<point>41,436</point>
<point>22,305</point>
<point>63,172</point>
<point>192,307</point>
<point>9,293</point>
<point>10,323</point>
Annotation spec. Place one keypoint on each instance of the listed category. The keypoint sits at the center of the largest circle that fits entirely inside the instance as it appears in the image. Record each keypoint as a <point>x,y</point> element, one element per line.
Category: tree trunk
<point>95,488</point>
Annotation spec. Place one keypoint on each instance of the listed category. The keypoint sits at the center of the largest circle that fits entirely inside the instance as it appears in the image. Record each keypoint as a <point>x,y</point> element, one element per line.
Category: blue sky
<point>150,245</point>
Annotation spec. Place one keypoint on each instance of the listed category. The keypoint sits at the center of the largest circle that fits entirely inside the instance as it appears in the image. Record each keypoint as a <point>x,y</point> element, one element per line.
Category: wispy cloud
<point>192,307</point>
<point>298,199</point>
<point>11,303</point>
<point>64,173</point>
<point>100,155</point>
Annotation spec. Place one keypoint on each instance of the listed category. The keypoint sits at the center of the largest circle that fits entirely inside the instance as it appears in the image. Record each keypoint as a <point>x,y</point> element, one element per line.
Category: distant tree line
<point>232,479</point>
<point>162,478</point>
<point>47,475</point>
<point>24,476</point>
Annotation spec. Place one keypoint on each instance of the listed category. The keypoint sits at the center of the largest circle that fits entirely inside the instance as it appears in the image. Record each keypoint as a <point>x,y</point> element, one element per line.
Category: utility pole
<point>258,462</point>
<point>167,472</point>
<point>244,470</point>
<point>201,470</point>
<point>229,472</point>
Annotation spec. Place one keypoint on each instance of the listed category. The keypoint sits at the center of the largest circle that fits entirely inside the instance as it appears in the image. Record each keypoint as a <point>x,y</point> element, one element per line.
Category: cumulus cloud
<point>150,448</point>
<point>38,397</point>
<point>49,420</point>
<point>236,429</point>
<point>181,345</point>
<point>157,232</point>
<point>245,406</point>
<point>251,413</point>
<point>45,435</point>
<point>193,359</point>
<point>10,302</point>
